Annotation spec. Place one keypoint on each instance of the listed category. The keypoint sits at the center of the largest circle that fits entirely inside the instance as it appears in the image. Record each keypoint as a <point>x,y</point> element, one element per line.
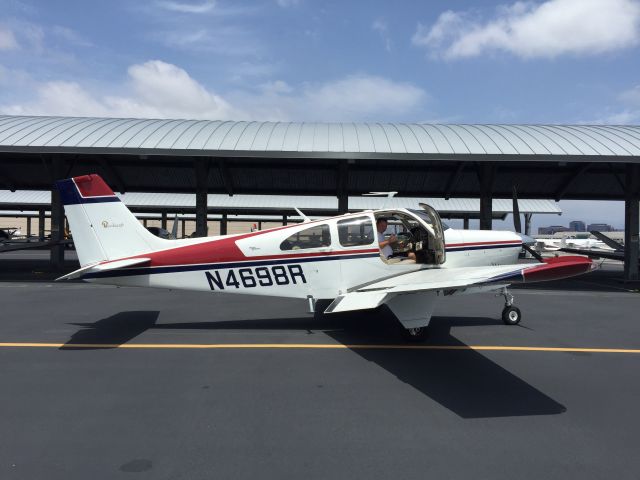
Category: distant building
<point>600,227</point>
<point>553,229</point>
<point>577,226</point>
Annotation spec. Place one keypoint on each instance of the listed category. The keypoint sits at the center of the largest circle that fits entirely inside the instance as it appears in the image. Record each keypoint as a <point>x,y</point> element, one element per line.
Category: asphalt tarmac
<point>101,382</point>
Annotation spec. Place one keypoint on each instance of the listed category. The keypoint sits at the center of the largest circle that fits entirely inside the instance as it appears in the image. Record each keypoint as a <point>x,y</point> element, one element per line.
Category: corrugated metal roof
<point>286,203</point>
<point>23,133</point>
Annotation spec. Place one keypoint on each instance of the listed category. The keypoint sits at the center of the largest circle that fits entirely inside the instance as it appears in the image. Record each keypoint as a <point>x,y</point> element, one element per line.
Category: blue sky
<point>553,61</point>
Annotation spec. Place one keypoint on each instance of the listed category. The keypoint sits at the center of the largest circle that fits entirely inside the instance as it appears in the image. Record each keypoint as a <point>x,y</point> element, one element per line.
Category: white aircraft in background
<point>337,258</point>
<point>557,244</point>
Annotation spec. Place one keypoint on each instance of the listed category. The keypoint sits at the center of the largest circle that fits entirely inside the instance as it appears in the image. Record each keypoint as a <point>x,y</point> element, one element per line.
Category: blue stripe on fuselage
<point>255,263</point>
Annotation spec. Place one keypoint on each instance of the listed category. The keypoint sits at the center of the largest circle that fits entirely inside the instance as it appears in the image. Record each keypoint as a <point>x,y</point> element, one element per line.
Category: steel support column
<point>485,175</point>
<point>465,223</point>
<point>223,224</point>
<point>163,220</point>
<point>631,222</point>
<point>284,220</point>
<point>57,217</point>
<point>41,225</point>
<point>342,190</point>
<point>202,174</point>
<point>28,227</point>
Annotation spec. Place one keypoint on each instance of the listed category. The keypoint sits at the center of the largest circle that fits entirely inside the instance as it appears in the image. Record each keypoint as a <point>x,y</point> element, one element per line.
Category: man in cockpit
<point>385,243</point>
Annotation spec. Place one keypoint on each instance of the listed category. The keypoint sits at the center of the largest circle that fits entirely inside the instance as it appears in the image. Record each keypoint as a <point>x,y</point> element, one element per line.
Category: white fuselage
<point>256,264</point>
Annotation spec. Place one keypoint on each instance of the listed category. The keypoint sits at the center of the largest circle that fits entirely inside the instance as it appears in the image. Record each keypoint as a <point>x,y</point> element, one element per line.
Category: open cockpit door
<point>438,232</point>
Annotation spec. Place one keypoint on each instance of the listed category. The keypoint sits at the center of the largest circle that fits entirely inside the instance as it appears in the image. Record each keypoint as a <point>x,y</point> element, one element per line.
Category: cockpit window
<point>355,231</point>
<point>313,237</point>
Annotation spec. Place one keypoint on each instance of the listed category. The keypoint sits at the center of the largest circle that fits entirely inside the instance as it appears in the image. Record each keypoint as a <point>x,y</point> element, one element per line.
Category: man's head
<point>381,225</point>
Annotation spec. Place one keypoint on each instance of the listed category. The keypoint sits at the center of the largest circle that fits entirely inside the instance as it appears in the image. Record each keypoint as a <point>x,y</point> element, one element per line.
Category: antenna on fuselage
<point>382,194</point>
<point>305,219</point>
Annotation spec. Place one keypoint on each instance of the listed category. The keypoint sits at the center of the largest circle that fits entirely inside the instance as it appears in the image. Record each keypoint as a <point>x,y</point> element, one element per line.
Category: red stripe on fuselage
<point>225,250</point>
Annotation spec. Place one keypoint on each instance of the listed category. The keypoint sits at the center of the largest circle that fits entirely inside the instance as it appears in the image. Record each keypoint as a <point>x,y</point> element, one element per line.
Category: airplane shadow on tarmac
<point>463,381</point>
<point>112,331</point>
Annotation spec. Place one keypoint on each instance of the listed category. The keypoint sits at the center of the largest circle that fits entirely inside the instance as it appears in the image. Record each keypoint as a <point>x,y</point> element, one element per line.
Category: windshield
<point>422,214</point>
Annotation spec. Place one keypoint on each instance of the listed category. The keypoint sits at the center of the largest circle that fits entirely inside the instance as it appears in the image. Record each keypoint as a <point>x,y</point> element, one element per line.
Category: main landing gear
<point>510,315</point>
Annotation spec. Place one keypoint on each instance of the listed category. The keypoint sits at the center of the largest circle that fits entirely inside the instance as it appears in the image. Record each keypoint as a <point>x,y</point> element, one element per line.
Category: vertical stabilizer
<point>103,228</point>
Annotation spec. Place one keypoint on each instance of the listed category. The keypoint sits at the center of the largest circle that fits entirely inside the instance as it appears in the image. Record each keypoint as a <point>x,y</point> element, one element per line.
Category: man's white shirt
<point>386,251</point>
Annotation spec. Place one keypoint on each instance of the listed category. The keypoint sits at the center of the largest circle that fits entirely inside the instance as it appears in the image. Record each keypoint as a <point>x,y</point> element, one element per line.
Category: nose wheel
<point>511,315</point>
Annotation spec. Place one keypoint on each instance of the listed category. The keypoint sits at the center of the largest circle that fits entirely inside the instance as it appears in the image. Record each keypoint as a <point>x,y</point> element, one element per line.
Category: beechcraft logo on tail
<point>106,224</point>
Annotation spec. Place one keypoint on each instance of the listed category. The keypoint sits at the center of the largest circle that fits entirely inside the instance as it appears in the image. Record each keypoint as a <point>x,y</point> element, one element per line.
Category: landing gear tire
<point>511,315</point>
<point>418,334</point>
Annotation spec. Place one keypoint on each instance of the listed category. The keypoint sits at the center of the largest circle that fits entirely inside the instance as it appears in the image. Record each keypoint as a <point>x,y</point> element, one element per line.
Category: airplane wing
<point>608,241</point>
<point>429,279</point>
<point>595,253</point>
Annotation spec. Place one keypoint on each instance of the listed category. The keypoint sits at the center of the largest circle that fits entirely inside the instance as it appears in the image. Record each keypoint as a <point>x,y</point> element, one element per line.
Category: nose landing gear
<point>510,314</point>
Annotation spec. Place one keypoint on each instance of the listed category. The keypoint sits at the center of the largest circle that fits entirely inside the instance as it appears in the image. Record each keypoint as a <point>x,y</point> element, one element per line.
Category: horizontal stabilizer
<point>102,267</point>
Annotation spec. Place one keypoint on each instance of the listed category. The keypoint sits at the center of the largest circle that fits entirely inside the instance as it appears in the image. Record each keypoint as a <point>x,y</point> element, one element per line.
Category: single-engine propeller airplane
<point>337,258</point>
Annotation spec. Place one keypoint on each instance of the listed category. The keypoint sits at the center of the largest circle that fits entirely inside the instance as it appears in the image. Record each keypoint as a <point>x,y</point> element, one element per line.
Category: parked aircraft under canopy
<point>340,159</point>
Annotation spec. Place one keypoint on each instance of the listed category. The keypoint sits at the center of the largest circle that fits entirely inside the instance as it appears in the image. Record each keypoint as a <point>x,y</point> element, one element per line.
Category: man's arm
<point>391,240</point>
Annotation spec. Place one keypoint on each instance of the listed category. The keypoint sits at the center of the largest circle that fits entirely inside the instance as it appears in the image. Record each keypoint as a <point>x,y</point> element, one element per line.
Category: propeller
<point>516,211</point>
<point>527,241</point>
<point>174,229</point>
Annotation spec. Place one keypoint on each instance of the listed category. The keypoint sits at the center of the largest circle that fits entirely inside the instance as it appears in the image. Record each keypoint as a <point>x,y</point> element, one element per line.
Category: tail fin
<point>102,227</point>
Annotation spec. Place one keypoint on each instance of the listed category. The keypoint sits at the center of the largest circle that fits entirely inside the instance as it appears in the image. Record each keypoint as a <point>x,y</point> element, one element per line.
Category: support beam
<point>41,225</point>
<point>163,220</point>
<point>28,227</point>
<point>57,216</point>
<point>486,174</point>
<point>453,181</point>
<point>570,180</point>
<point>527,223</point>
<point>284,220</point>
<point>223,224</point>
<point>465,223</point>
<point>184,224</point>
<point>201,169</point>
<point>631,222</point>
<point>343,187</point>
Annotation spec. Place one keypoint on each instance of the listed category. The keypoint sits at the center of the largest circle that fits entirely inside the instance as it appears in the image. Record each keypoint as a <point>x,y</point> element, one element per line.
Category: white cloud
<point>529,30</point>
<point>352,98</point>
<point>381,27</point>
<point>156,89</point>
<point>183,7</point>
<point>7,39</point>
<point>358,96</point>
